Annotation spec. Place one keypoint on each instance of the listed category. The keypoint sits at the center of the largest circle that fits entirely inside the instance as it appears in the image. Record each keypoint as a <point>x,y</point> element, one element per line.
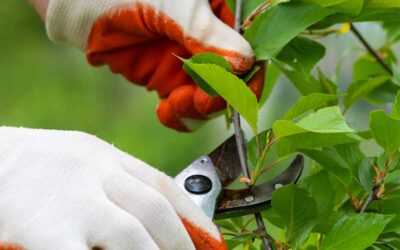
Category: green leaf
<point>383,4</point>
<point>252,148</point>
<point>385,93</point>
<point>396,107</point>
<point>326,223</point>
<point>333,163</point>
<point>287,20</point>
<point>393,31</point>
<point>391,206</point>
<point>206,58</point>
<point>272,157</point>
<point>367,67</point>
<point>366,15</point>
<point>276,2</point>
<point>302,54</point>
<point>238,222</point>
<point>231,88</point>
<point>352,154</point>
<point>307,85</point>
<point>273,74</point>
<point>245,237</point>
<point>327,85</point>
<point>321,189</point>
<point>360,89</point>
<point>247,77</point>
<point>393,177</point>
<point>228,225</point>
<point>297,210</point>
<point>326,120</point>
<point>308,103</point>
<point>326,127</point>
<point>352,7</point>
<point>385,129</point>
<point>233,243</point>
<point>299,142</point>
<point>323,3</point>
<point>396,74</point>
<point>303,85</point>
<point>355,232</point>
<point>211,58</point>
<point>366,174</point>
<point>247,6</point>
<point>388,241</point>
<point>274,218</point>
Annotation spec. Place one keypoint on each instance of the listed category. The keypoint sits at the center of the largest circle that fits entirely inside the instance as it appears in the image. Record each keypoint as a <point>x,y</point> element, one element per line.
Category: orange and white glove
<point>72,191</point>
<point>138,39</point>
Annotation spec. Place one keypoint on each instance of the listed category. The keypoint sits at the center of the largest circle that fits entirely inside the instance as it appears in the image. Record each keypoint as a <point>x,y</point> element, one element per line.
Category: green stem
<point>258,169</point>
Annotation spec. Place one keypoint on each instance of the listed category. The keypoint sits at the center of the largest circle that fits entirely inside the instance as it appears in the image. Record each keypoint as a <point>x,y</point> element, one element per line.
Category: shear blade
<point>241,202</point>
<point>226,161</point>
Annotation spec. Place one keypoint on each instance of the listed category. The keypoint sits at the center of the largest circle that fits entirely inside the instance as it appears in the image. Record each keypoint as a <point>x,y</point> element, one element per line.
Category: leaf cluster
<point>348,198</point>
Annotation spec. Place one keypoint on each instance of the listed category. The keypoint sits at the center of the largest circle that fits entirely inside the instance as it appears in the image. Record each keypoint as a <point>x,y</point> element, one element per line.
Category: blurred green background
<point>48,85</point>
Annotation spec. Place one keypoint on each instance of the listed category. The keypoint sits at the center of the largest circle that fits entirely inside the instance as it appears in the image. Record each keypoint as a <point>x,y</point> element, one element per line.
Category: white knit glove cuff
<point>71,20</point>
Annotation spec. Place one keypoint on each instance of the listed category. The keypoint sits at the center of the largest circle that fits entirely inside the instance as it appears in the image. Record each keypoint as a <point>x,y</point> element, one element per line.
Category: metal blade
<point>241,202</point>
<point>200,182</point>
<point>226,161</point>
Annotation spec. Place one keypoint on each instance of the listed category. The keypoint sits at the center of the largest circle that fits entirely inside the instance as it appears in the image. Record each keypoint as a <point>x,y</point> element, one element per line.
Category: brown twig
<point>240,142</point>
<point>370,49</point>
<point>259,10</point>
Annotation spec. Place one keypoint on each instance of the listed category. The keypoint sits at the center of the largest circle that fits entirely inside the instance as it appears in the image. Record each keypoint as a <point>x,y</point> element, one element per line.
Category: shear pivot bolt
<point>198,184</point>
<point>204,161</point>
<point>249,199</point>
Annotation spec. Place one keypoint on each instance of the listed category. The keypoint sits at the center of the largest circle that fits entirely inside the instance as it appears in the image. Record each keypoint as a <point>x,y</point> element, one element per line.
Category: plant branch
<point>248,222</point>
<point>258,11</point>
<point>370,49</point>
<point>240,141</point>
<point>259,170</point>
<point>378,189</point>
<point>319,33</point>
<point>368,201</point>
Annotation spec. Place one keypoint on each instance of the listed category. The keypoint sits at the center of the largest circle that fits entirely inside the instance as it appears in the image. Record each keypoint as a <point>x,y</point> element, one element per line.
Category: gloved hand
<point>71,191</point>
<point>138,38</point>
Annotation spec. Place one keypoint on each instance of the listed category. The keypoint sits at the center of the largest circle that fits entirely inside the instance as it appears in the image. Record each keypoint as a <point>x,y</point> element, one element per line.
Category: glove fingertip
<point>10,247</point>
<point>205,104</point>
<point>182,101</point>
<point>240,62</point>
<point>201,239</point>
<point>169,118</point>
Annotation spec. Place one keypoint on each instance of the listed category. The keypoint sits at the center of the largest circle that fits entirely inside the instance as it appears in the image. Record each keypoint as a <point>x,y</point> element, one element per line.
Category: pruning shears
<point>206,181</point>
